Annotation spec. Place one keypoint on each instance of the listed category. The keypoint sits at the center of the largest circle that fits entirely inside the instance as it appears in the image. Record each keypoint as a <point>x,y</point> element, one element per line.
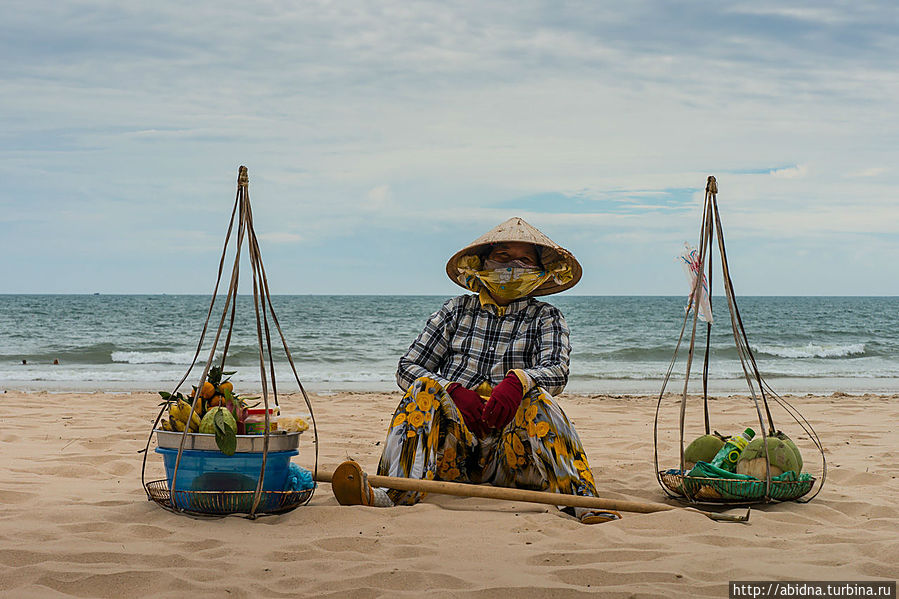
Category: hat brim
<point>516,229</point>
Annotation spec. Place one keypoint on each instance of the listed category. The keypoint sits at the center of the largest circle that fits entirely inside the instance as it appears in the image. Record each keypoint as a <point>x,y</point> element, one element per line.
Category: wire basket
<point>675,482</point>
<point>732,490</point>
<point>223,503</point>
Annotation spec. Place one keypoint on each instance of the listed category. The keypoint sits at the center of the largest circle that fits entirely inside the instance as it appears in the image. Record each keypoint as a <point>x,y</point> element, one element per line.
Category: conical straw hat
<point>516,229</point>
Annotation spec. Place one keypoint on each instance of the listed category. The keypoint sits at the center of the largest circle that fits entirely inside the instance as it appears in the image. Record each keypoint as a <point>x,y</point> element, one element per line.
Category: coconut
<point>780,456</point>
<point>783,437</point>
<point>702,449</point>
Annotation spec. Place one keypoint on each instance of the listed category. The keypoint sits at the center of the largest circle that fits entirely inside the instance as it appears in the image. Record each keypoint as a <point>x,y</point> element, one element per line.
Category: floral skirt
<point>538,450</point>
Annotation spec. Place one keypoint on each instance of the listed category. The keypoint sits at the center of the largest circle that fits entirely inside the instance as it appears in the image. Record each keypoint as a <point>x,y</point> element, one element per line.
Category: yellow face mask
<point>510,283</point>
<point>507,284</point>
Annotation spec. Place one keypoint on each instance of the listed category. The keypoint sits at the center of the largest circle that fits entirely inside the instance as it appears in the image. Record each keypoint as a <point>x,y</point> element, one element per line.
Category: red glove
<point>471,406</point>
<point>504,401</point>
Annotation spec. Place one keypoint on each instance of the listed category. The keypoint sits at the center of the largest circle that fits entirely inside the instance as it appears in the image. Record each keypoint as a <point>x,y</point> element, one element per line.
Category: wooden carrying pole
<point>487,492</point>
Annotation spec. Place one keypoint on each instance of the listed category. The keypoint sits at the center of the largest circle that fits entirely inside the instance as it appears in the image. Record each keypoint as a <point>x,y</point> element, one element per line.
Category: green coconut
<point>780,456</point>
<point>702,449</point>
<point>783,437</point>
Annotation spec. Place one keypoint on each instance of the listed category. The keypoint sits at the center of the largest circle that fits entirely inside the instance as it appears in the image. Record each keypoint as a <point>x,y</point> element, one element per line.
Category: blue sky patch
<point>760,171</point>
<point>619,201</point>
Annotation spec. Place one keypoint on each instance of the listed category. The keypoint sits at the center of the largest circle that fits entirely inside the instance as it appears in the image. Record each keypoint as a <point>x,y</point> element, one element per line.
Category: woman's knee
<point>543,401</point>
<point>426,383</point>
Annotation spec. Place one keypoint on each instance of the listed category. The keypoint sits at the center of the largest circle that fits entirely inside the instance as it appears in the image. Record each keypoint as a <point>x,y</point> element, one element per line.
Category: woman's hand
<point>504,401</point>
<point>471,406</point>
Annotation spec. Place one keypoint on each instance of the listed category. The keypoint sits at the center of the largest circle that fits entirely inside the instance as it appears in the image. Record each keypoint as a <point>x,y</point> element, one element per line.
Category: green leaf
<point>165,395</point>
<point>225,434</point>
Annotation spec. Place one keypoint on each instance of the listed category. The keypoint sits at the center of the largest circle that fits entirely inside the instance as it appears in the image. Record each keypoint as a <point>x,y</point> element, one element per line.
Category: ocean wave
<point>249,357</point>
<point>813,350</point>
<point>122,375</point>
<point>153,357</point>
<point>161,375</point>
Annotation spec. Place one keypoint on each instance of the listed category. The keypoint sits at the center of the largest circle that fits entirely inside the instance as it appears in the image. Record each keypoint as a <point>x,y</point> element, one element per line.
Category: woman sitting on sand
<point>479,381</point>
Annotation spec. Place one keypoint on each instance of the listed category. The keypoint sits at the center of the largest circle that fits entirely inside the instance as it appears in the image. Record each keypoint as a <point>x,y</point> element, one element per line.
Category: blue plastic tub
<point>215,471</point>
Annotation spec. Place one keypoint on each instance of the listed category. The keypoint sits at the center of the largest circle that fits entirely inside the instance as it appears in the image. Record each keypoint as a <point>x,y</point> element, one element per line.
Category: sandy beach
<point>76,521</point>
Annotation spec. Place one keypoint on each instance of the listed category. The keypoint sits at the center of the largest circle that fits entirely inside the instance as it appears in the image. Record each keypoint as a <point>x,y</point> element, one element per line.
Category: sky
<point>381,137</point>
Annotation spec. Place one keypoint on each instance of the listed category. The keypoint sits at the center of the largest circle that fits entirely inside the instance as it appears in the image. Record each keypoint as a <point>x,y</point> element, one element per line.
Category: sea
<point>620,344</point>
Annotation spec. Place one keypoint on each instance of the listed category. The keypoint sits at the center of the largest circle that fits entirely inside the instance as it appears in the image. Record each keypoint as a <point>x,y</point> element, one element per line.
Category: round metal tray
<point>278,441</point>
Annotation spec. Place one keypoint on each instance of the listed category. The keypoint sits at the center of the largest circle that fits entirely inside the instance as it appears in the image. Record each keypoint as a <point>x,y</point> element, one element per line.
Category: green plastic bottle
<point>727,456</point>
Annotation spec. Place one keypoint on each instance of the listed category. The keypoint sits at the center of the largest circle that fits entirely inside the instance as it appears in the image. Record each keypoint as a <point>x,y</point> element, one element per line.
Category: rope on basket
<point>264,310</point>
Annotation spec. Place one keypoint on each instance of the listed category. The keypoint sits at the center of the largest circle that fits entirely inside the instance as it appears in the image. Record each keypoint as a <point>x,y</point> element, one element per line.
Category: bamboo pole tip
<point>712,185</point>
<point>243,179</point>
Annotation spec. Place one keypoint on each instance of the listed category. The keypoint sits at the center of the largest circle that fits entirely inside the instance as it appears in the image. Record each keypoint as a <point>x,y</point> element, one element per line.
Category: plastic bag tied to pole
<point>689,259</point>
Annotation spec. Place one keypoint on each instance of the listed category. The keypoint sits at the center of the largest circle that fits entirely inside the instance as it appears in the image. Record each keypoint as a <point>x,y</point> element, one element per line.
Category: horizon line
<point>89,294</point>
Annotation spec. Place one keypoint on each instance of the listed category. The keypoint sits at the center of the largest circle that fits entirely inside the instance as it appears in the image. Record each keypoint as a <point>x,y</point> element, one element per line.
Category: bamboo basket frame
<point>674,483</point>
<point>266,319</point>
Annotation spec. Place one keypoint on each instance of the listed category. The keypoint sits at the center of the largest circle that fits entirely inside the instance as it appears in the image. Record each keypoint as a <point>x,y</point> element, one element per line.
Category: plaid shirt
<point>466,343</point>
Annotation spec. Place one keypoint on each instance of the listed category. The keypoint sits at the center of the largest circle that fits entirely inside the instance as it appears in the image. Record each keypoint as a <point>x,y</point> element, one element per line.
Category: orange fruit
<point>215,400</point>
<point>226,386</point>
<point>208,390</point>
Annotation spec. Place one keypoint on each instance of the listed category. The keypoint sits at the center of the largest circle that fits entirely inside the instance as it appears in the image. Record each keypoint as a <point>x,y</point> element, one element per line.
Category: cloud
<point>793,172</point>
<point>874,171</point>
<point>813,15</point>
<point>378,198</point>
<point>617,201</point>
<point>363,123</point>
<point>275,237</point>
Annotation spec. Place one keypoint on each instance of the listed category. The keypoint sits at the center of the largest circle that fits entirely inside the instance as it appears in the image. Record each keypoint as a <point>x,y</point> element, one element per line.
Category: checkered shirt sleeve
<point>550,370</point>
<point>429,350</point>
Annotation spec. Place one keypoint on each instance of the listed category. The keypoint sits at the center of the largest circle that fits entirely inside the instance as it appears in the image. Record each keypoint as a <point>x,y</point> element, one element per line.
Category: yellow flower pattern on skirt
<point>538,450</point>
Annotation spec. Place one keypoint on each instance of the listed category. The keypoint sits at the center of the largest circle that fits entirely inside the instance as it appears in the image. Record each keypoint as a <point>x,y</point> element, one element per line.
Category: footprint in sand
<point>146,531</point>
<point>597,576</point>
<point>119,468</point>
<point>73,471</point>
<point>594,557</point>
<point>344,544</point>
<point>86,527</point>
<point>9,497</point>
<point>16,558</point>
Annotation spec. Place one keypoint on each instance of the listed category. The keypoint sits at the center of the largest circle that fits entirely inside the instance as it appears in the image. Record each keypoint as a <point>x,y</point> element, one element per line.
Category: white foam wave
<point>162,375</point>
<point>813,350</point>
<point>152,357</point>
